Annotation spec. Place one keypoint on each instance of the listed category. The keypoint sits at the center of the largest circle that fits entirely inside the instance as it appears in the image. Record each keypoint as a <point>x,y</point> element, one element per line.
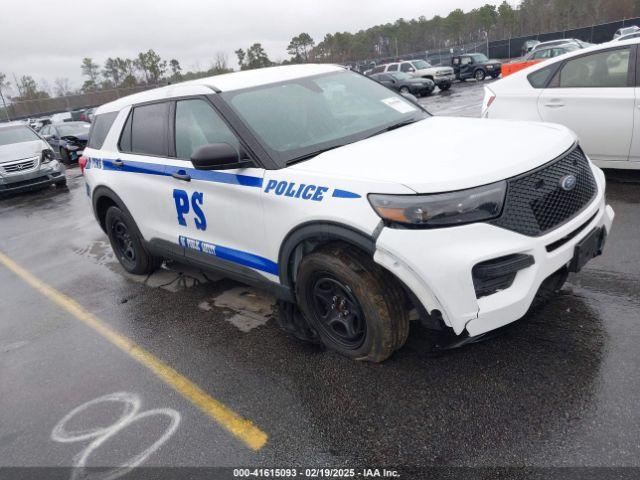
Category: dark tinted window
<point>540,78</point>
<point>99,129</point>
<point>392,68</point>
<point>149,129</point>
<point>125,136</point>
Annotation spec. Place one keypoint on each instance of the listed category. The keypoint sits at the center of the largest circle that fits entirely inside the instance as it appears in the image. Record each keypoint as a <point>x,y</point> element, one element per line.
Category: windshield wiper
<point>395,126</point>
<point>307,156</point>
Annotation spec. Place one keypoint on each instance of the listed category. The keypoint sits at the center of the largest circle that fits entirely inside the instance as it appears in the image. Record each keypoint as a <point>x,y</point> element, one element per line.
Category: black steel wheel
<point>127,243</point>
<point>356,307</point>
<point>338,312</point>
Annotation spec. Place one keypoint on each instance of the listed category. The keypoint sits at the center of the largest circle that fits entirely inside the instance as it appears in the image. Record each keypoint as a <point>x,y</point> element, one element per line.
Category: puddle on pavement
<point>248,308</point>
<point>172,276</point>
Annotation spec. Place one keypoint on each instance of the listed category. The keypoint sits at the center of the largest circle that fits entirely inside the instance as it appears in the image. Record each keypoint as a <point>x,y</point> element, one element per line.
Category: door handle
<point>181,176</point>
<point>556,104</point>
<point>118,163</point>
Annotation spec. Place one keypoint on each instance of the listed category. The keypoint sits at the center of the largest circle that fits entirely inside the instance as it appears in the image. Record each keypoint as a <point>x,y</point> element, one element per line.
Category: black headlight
<point>442,209</point>
<point>47,155</point>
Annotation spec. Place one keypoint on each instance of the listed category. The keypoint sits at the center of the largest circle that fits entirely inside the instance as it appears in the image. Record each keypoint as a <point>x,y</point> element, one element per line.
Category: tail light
<point>82,163</point>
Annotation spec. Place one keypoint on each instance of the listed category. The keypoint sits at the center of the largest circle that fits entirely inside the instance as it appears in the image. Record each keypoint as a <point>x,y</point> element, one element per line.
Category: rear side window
<point>540,78</point>
<point>392,68</point>
<point>603,69</point>
<point>100,128</point>
<point>146,130</point>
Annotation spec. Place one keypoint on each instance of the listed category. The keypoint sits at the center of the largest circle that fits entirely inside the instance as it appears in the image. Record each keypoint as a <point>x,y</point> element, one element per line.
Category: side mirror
<point>219,156</point>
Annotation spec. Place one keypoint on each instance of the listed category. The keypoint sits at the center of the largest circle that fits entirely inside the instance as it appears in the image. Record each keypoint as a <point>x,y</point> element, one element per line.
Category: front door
<point>216,215</point>
<point>593,95</point>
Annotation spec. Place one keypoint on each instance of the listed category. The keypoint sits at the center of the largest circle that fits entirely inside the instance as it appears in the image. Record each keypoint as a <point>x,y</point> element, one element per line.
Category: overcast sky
<point>48,38</point>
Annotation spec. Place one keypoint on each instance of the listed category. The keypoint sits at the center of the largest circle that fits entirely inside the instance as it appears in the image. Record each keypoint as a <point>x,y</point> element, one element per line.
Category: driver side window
<point>406,67</point>
<point>198,124</point>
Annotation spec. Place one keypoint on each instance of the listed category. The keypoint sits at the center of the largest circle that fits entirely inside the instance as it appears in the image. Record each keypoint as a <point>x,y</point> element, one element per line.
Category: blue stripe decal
<point>131,166</point>
<point>230,254</point>
<point>337,193</point>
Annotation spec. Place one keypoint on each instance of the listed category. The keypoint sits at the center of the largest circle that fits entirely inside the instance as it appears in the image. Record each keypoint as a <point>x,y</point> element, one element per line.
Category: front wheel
<point>354,305</point>
<point>444,87</point>
<point>127,245</point>
<point>64,156</point>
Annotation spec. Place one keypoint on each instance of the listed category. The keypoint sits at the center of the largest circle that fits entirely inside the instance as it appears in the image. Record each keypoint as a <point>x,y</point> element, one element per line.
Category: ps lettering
<point>184,205</point>
<point>293,190</point>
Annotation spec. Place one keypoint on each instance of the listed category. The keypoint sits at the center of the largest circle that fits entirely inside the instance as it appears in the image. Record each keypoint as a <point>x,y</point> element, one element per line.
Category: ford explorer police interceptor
<point>312,181</point>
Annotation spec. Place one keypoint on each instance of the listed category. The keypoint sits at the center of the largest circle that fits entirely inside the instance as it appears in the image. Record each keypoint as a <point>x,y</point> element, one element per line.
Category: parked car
<point>559,42</point>
<point>67,139</point>
<point>628,36</point>
<point>528,46</point>
<point>26,161</point>
<point>404,83</point>
<point>621,32</point>
<point>475,65</point>
<point>314,183</point>
<point>443,77</point>
<point>61,117</point>
<point>590,91</point>
<point>537,56</point>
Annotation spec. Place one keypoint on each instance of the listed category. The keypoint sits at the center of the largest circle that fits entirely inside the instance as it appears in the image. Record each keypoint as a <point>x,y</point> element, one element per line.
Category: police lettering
<point>293,190</point>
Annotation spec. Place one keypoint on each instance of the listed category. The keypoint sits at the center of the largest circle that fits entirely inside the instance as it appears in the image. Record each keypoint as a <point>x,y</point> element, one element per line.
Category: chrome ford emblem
<point>568,182</point>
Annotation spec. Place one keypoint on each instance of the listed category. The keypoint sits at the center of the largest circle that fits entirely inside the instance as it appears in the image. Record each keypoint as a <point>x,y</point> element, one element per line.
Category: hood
<point>493,61</point>
<point>19,151</point>
<point>441,154</point>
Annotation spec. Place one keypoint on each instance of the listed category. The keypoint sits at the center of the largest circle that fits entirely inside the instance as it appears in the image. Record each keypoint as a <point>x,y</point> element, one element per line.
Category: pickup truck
<point>475,65</point>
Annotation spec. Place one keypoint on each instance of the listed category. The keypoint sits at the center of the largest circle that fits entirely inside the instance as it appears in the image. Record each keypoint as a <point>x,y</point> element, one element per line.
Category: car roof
<point>514,77</point>
<point>225,82</point>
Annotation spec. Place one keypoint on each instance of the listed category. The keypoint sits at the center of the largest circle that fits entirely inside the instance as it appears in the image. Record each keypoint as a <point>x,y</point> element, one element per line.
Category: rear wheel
<point>127,245</point>
<point>404,90</point>
<point>479,75</point>
<point>354,305</point>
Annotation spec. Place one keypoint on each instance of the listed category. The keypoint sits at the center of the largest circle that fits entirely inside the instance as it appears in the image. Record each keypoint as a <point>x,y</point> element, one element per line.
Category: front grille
<point>21,166</point>
<point>536,203</point>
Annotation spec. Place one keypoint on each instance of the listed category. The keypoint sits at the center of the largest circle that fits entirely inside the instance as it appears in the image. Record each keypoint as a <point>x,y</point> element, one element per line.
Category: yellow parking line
<point>241,428</point>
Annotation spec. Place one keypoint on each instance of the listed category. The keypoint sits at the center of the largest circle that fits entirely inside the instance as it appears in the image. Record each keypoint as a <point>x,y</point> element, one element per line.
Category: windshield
<point>420,64</point>
<point>297,118</point>
<point>479,57</point>
<point>17,135</point>
<point>73,129</point>
<point>401,76</point>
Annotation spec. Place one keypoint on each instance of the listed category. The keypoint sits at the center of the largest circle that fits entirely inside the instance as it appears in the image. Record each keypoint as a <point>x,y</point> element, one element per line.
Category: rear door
<point>593,94</point>
<point>137,169</point>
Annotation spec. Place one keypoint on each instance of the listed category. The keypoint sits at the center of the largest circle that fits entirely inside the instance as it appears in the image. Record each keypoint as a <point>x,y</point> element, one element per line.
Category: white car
<point>305,181</point>
<point>443,77</point>
<point>590,91</point>
<point>621,32</point>
<point>61,117</point>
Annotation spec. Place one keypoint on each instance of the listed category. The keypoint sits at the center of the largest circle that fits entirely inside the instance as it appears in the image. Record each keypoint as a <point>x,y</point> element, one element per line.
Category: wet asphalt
<point>558,388</point>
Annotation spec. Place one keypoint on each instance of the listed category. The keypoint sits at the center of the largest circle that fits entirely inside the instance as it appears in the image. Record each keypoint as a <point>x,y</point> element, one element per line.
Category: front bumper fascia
<point>436,264</point>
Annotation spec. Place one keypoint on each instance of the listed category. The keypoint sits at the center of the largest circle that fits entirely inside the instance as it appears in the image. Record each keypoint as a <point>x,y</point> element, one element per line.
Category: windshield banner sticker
<point>398,105</point>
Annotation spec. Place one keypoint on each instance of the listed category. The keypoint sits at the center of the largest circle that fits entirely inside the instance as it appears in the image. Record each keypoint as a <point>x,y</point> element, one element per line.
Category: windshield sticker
<point>398,105</point>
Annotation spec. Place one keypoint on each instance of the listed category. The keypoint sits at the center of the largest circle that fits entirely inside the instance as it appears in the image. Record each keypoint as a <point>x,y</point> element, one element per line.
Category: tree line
<point>488,22</point>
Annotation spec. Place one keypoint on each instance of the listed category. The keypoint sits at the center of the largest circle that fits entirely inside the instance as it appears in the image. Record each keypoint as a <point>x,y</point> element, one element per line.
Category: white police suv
<point>346,199</point>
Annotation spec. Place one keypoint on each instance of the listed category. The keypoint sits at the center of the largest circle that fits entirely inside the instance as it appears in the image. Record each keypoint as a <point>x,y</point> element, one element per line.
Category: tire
<point>357,308</point>
<point>445,87</point>
<point>479,75</point>
<point>550,288</point>
<point>127,245</point>
<point>495,75</point>
<point>61,183</point>
<point>405,90</point>
<point>64,156</point>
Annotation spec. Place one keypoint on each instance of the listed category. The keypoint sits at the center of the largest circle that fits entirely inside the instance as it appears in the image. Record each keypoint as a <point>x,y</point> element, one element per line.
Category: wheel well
<point>102,205</point>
